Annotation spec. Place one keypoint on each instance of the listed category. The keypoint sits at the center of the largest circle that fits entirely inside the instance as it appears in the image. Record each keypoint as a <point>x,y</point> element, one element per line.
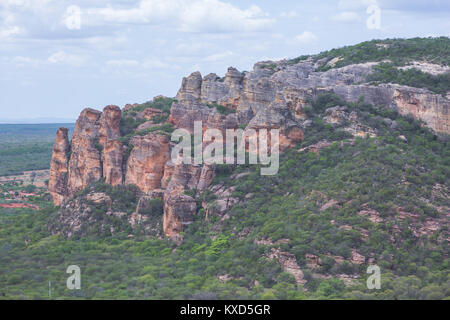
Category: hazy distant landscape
<point>25,147</point>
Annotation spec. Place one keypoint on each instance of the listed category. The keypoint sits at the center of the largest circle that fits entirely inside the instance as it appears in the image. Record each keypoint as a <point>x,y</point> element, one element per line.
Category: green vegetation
<point>27,147</point>
<point>161,103</point>
<point>155,207</point>
<point>221,109</point>
<point>382,174</point>
<point>398,51</point>
<point>388,73</point>
<point>131,120</point>
<point>129,124</point>
<point>271,66</point>
<point>166,128</point>
<point>298,59</point>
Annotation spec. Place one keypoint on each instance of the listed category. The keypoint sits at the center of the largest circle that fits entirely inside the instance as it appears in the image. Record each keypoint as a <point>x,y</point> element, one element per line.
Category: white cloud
<point>218,57</point>
<point>26,3</point>
<point>8,25</point>
<point>72,18</point>
<point>289,14</point>
<point>355,4</point>
<point>26,61</point>
<point>155,63</point>
<point>306,37</point>
<point>62,57</point>
<point>189,15</point>
<point>56,20</point>
<point>347,16</point>
<point>147,63</point>
<point>122,63</point>
<point>8,31</point>
<point>57,58</point>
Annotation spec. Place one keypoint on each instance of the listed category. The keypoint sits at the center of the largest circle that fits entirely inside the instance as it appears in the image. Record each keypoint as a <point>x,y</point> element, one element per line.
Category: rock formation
<point>85,165</point>
<point>112,148</point>
<point>179,210</point>
<point>145,166</point>
<point>59,166</point>
<point>272,96</point>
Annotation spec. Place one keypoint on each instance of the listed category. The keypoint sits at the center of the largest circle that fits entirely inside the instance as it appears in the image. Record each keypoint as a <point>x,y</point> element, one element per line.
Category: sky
<point>60,56</point>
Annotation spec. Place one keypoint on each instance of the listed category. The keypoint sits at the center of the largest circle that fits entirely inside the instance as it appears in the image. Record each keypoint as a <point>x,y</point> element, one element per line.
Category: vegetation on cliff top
<point>398,51</point>
<point>388,73</point>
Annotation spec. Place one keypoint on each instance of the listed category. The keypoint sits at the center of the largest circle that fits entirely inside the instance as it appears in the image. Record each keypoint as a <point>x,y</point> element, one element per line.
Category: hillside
<point>363,180</point>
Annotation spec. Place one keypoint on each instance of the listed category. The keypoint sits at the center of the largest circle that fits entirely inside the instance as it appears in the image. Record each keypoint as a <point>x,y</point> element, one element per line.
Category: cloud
<point>218,57</point>
<point>190,15</point>
<point>62,57</point>
<point>8,31</point>
<point>347,16</point>
<point>289,14</point>
<point>26,61</point>
<point>306,37</point>
<point>420,6</point>
<point>57,58</point>
<point>155,63</point>
<point>59,20</point>
<point>122,63</point>
<point>147,63</point>
<point>355,4</point>
<point>8,25</point>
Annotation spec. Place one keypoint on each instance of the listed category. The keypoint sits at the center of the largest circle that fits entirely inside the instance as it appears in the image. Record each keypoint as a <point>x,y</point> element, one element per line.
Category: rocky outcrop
<point>190,91</point>
<point>289,264</point>
<point>151,113</point>
<point>109,124</point>
<point>96,153</point>
<point>179,211</point>
<point>112,155</point>
<point>295,84</point>
<point>433,109</point>
<point>145,165</point>
<point>85,165</point>
<point>277,116</point>
<point>112,162</point>
<point>225,91</point>
<point>59,167</point>
<point>274,95</point>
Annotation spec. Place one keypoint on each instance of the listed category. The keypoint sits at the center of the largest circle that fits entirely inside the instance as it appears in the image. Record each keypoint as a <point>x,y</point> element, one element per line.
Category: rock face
<point>433,109</point>
<point>112,149</point>
<point>289,264</point>
<point>95,153</point>
<point>273,95</point>
<point>59,167</point>
<point>145,166</point>
<point>85,165</point>
<point>179,210</point>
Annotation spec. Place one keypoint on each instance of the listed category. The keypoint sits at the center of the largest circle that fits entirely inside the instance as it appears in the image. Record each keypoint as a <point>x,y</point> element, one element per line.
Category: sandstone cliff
<point>59,167</point>
<point>272,96</point>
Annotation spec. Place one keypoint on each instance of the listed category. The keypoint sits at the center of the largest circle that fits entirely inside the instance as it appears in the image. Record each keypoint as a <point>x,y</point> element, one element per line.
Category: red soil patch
<point>18,205</point>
